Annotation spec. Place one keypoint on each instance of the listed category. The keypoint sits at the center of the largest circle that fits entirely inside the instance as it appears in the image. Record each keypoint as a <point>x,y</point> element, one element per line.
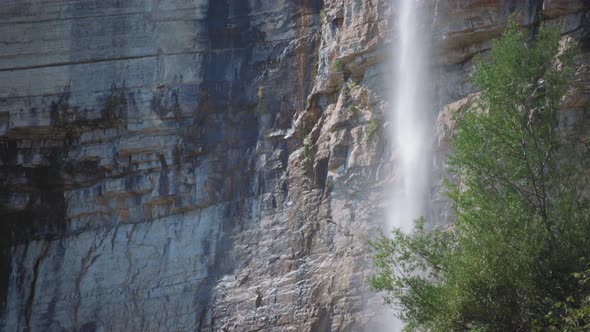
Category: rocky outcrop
<point>134,148</point>
<point>212,165</point>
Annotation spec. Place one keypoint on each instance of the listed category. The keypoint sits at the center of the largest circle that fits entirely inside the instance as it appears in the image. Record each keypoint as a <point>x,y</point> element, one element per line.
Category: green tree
<point>520,201</point>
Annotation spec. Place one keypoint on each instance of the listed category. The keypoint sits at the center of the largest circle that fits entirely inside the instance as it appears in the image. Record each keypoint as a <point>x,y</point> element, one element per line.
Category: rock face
<point>213,164</point>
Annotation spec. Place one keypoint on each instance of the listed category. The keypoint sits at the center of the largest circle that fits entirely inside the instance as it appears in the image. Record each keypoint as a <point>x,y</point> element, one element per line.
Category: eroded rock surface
<point>214,165</point>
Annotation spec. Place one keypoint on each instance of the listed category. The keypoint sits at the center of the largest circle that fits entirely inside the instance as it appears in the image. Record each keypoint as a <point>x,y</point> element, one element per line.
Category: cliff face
<point>213,165</point>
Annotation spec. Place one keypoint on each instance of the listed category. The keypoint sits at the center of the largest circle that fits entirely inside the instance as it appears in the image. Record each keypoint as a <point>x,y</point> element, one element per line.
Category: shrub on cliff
<point>513,258</point>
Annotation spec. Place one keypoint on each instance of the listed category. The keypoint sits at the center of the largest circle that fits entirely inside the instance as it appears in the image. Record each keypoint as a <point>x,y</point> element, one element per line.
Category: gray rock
<point>205,165</point>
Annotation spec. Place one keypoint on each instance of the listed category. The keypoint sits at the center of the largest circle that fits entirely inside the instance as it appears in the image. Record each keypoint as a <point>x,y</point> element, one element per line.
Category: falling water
<point>410,132</point>
<point>411,125</point>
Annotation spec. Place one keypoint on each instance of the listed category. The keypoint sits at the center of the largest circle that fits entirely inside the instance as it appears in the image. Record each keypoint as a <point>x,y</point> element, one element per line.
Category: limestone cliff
<point>214,164</point>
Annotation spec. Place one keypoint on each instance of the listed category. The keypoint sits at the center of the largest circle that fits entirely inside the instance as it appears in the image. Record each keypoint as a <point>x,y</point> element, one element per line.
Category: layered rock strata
<point>214,164</point>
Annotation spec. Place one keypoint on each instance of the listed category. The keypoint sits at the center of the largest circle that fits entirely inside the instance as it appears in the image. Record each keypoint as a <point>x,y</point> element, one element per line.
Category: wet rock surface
<point>214,165</point>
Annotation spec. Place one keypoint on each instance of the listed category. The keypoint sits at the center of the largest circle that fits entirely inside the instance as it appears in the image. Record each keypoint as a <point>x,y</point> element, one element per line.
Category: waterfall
<point>410,130</point>
<point>411,123</point>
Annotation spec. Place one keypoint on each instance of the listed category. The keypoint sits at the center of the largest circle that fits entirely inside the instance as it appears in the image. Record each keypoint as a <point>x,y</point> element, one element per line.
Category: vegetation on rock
<point>372,128</point>
<point>337,66</point>
<point>516,257</point>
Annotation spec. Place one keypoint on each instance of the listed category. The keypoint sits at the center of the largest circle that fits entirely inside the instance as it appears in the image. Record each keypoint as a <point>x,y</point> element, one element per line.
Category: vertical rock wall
<point>212,164</point>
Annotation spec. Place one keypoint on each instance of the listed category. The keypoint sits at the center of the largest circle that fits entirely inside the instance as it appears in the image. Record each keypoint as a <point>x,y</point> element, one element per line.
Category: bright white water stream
<point>411,127</point>
<point>410,115</point>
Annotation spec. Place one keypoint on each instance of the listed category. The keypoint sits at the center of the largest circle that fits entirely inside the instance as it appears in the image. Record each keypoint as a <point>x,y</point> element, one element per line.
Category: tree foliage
<point>514,257</point>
